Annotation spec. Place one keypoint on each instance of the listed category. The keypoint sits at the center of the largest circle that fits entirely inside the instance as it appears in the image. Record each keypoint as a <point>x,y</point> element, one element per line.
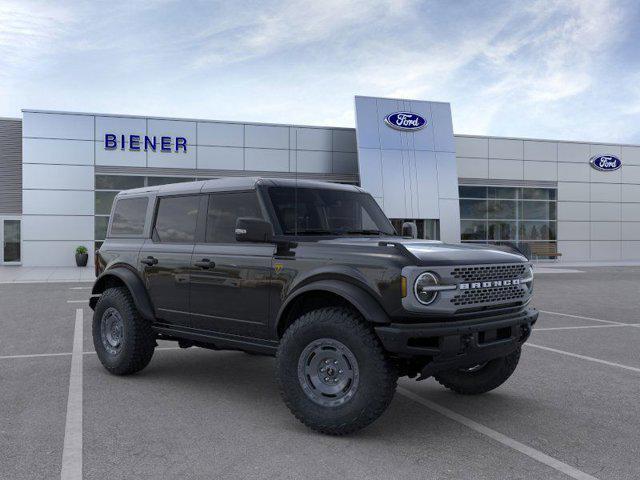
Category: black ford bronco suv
<point>315,274</point>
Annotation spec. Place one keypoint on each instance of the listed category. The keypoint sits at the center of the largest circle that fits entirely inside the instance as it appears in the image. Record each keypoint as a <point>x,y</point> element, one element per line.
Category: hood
<point>430,252</point>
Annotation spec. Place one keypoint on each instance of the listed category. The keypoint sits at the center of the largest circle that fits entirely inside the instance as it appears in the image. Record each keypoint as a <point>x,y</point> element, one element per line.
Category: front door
<point>10,240</point>
<point>165,259</point>
<point>230,280</point>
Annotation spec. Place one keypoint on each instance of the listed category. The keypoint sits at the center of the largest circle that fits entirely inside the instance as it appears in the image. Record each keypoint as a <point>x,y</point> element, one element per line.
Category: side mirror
<point>254,230</point>
<point>409,229</point>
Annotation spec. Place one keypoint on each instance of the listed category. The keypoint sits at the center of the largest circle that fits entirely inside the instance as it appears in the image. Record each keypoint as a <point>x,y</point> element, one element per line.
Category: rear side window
<point>129,216</point>
<point>176,219</point>
<point>224,209</point>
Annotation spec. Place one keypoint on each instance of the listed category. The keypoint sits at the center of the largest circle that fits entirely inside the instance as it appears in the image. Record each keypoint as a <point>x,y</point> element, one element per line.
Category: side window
<point>176,219</point>
<point>129,216</point>
<point>224,209</point>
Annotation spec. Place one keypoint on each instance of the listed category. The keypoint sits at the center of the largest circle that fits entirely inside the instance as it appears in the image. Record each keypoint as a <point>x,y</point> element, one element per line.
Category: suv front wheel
<point>333,373</point>
<point>123,340</point>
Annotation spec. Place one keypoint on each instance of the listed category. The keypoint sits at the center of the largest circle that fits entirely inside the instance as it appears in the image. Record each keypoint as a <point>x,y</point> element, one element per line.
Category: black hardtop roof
<point>235,183</point>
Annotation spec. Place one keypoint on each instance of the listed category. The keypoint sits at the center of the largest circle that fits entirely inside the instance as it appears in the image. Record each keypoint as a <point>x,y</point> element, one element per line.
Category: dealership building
<point>59,173</point>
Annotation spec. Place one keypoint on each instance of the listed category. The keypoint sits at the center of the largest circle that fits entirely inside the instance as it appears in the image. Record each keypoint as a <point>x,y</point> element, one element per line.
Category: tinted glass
<point>129,216</point>
<point>118,182</point>
<point>153,181</point>
<point>224,209</point>
<point>316,211</point>
<point>472,192</point>
<point>473,230</point>
<point>538,194</point>
<point>502,192</point>
<point>473,209</point>
<point>532,210</point>
<point>11,247</point>
<point>176,219</point>
<point>104,200</point>
<point>504,209</point>
<point>502,230</point>
<point>100,228</point>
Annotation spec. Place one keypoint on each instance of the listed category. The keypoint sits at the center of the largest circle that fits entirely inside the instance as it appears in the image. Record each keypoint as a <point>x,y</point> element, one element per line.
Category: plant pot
<point>81,259</point>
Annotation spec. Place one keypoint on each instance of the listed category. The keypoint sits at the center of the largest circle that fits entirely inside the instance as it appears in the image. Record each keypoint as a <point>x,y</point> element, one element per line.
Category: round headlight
<point>422,288</point>
<point>529,273</point>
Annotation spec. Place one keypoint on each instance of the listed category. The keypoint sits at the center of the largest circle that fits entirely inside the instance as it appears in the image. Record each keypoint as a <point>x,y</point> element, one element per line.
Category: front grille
<point>489,295</point>
<point>489,272</point>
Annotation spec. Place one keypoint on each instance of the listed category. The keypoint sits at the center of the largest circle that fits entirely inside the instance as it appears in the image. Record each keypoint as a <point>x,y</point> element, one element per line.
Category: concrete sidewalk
<point>19,274</point>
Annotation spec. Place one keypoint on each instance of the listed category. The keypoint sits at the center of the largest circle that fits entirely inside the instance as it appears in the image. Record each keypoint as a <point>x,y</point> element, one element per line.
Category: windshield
<point>317,211</point>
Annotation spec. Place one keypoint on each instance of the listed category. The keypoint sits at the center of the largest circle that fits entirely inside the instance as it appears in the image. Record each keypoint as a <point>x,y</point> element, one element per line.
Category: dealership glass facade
<point>508,214</point>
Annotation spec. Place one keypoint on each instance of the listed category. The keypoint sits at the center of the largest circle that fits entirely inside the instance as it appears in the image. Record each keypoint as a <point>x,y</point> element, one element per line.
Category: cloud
<point>508,68</point>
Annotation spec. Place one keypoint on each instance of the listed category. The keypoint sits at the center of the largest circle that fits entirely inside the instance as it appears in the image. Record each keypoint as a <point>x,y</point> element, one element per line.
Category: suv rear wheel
<point>123,340</point>
<point>480,378</point>
<point>333,373</point>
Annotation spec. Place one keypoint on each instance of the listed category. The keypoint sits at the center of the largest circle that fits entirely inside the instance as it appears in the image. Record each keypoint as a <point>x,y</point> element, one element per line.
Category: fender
<point>133,283</point>
<point>368,307</point>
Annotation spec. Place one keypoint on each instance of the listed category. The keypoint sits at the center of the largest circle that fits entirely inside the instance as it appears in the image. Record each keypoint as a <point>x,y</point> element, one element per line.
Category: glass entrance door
<point>10,238</point>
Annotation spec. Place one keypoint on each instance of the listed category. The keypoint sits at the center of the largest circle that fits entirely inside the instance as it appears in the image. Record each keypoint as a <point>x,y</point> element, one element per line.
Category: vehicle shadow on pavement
<point>248,382</point>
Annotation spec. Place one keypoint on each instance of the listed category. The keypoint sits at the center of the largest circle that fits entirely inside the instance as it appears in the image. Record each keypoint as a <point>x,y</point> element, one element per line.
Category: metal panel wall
<point>412,174</point>
<point>10,166</point>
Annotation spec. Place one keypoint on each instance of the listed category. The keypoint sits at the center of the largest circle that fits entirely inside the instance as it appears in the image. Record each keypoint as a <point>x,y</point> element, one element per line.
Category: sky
<point>540,69</point>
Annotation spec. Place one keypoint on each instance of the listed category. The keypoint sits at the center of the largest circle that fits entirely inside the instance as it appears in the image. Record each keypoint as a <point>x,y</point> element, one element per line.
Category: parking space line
<point>584,357</point>
<point>78,301</point>
<point>582,318</point>
<point>80,288</point>
<point>72,450</point>
<point>34,355</point>
<point>587,326</point>
<point>500,438</point>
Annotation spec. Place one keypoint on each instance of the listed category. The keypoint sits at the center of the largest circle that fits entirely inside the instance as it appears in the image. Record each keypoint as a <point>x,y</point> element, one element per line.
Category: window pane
<point>502,230</point>
<point>502,209</point>
<point>153,181</point>
<point>472,192</point>
<point>104,200</point>
<point>473,230</point>
<point>473,209</point>
<point>532,210</point>
<point>538,193</point>
<point>118,182</point>
<point>502,192</point>
<point>224,209</point>
<point>313,211</point>
<point>100,228</point>
<point>129,216</point>
<point>11,247</point>
<point>177,217</point>
<point>537,230</point>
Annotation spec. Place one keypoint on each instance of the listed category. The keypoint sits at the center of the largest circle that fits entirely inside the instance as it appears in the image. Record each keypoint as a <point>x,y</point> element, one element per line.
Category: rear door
<point>166,257</point>
<point>230,280</point>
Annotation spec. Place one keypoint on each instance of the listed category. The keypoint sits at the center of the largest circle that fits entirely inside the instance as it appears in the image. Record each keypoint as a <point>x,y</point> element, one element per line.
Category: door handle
<point>205,263</point>
<point>150,261</point>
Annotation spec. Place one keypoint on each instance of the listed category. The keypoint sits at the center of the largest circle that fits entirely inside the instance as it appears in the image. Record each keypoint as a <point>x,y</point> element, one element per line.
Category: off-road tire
<point>137,339</point>
<point>490,376</point>
<point>377,375</point>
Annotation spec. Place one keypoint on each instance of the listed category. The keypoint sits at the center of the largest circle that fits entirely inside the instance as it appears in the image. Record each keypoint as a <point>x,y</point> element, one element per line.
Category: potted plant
<point>81,256</point>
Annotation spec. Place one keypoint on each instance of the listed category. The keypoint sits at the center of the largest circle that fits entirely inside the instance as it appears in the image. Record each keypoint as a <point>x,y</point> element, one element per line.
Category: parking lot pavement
<point>569,412</point>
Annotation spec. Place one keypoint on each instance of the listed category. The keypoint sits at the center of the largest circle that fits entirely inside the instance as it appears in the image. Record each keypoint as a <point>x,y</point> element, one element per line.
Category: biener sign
<point>145,143</point>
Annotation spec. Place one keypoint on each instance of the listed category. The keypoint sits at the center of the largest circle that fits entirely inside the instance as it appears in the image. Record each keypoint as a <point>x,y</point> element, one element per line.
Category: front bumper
<point>445,346</point>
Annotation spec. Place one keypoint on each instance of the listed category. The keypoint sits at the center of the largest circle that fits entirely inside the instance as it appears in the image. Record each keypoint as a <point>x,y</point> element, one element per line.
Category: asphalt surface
<point>202,414</point>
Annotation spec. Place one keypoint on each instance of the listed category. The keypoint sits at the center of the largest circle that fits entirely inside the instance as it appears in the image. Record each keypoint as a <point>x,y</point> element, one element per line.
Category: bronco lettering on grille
<point>493,283</point>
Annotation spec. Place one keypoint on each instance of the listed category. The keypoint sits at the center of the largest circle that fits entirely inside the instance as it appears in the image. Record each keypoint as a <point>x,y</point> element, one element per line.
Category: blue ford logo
<point>405,121</point>
<point>605,163</point>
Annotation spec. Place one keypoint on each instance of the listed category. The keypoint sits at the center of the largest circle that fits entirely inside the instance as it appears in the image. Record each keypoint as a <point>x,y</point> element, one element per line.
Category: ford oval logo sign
<point>405,121</point>
<point>605,163</point>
